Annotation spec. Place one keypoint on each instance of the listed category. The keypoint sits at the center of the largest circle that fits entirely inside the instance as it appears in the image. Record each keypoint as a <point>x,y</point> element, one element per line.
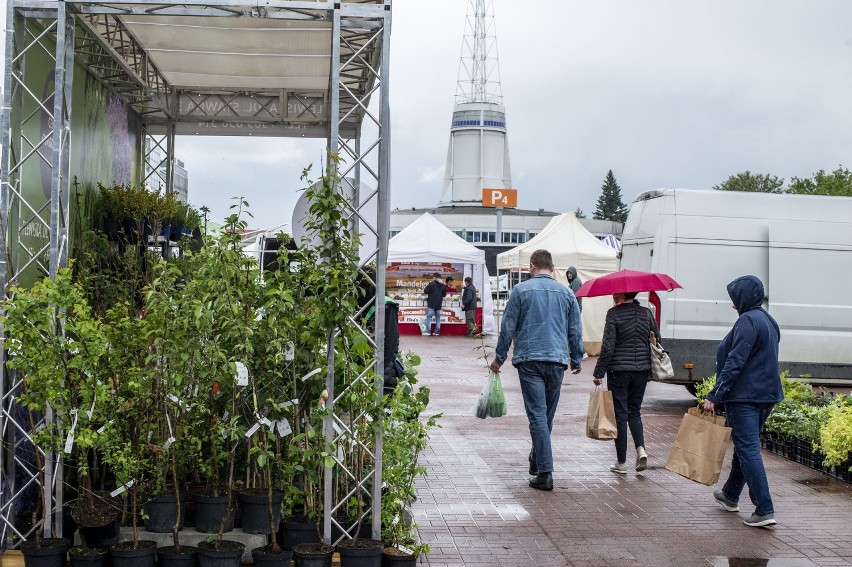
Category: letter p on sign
<point>500,198</point>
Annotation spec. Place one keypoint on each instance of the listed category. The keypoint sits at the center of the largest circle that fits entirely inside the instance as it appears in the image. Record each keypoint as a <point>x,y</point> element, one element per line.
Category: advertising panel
<point>406,282</point>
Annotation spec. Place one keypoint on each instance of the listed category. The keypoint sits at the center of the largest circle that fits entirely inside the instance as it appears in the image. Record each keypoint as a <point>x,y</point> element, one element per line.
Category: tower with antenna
<point>478,154</point>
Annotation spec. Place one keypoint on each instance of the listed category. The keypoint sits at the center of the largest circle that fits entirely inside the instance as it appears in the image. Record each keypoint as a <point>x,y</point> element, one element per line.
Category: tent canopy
<point>427,240</point>
<point>571,244</point>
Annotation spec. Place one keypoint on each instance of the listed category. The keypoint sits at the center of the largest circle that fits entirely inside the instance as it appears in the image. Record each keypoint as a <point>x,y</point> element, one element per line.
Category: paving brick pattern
<point>475,508</point>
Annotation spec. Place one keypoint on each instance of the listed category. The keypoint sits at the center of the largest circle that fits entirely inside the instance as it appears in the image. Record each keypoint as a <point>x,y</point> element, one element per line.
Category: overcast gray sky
<point>664,93</point>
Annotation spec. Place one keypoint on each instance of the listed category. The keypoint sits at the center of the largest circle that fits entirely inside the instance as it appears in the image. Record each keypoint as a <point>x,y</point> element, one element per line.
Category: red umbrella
<point>626,281</point>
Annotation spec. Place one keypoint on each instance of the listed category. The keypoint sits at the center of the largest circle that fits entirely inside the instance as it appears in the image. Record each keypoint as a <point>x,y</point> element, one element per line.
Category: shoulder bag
<point>661,364</point>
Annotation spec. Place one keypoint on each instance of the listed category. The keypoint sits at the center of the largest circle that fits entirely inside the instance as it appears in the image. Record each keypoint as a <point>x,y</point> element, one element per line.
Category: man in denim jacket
<point>543,319</point>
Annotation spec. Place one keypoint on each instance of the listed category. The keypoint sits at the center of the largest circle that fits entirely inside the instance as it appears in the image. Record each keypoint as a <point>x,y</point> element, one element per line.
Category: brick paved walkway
<point>475,508</point>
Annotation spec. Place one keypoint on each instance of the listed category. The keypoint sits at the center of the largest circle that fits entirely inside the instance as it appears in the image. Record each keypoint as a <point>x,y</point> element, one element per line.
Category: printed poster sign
<point>406,281</point>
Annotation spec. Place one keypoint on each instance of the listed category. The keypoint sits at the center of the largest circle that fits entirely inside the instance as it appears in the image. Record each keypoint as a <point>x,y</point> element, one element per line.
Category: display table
<point>452,321</point>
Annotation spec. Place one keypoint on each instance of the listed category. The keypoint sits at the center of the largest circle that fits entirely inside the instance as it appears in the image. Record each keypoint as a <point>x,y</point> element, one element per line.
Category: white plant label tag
<point>404,549</point>
<point>265,421</point>
<point>168,443</point>
<point>103,427</point>
<point>289,351</point>
<point>340,455</point>
<point>336,427</point>
<point>69,442</point>
<point>252,431</point>
<point>284,428</point>
<point>121,489</point>
<point>287,404</point>
<point>311,373</point>
<point>241,379</point>
<point>91,409</point>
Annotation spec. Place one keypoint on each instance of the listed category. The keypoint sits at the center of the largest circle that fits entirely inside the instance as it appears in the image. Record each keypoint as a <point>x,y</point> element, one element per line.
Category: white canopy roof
<point>571,244</point>
<point>427,240</point>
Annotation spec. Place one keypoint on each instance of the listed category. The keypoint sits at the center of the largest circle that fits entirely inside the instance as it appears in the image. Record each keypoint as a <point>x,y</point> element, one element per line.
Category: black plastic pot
<point>293,531</point>
<point>89,556</point>
<point>393,560</point>
<point>52,552</point>
<point>107,510</point>
<point>161,513</point>
<point>360,553</point>
<point>168,557</point>
<point>209,511</point>
<point>230,554</point>
<point>312,555</point>
<point>261,556</point>
<point>253,507</point>
<point>123,554</point>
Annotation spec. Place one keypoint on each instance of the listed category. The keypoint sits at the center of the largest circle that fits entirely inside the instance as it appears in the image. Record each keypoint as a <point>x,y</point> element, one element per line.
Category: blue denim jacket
<point>543,318</point>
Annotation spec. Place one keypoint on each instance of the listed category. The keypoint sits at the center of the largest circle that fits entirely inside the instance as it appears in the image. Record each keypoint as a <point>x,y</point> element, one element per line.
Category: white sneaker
<point>620,468</point>
<point>585,356</point>
<point>641,459</point>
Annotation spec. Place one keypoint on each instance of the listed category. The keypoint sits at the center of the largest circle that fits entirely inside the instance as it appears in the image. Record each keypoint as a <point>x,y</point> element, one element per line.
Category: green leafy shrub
<point>835,435</point>
<point>704,387</point>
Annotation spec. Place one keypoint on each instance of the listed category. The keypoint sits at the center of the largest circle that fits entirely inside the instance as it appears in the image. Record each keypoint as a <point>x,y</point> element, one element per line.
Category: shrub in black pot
<point>82,556</point>
<point>313,555</point>
<point>295,530</point>
<point>142,554</point>
<point>184,556</point>
<point>394,557</point>
<point>254,506</point>
<point>228,554</point>
<point>98,518</point>
<point>45,552</point>
<point>360,553</point>
<point>271,557</point>
<point>161,513</point>
<point>209,511</point>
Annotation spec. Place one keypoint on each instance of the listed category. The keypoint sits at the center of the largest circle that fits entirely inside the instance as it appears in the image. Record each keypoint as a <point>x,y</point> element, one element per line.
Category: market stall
<point>571,244</point>
<point>426,247</point>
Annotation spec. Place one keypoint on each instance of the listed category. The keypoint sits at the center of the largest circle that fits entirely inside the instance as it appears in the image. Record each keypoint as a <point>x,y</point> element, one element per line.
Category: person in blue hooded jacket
<point>748,385</point>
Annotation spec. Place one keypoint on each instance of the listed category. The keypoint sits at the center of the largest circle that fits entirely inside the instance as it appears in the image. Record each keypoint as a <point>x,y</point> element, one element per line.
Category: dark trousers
<point>746,421</point>
<point>628,390</point>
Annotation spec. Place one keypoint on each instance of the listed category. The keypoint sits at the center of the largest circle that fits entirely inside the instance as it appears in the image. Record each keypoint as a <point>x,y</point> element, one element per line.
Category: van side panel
<point>810,267</point>
<point>799,246</point>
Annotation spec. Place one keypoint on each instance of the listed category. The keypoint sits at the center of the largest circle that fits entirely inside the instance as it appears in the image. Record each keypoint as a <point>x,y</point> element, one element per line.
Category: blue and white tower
<point>478,155</point>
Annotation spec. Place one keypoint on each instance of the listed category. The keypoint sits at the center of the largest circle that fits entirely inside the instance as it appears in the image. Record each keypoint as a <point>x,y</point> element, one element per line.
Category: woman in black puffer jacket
<point>626,360</point>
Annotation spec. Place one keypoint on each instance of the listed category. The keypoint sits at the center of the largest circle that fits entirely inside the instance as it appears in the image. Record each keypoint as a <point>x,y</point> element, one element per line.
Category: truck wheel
<point>691,388</point>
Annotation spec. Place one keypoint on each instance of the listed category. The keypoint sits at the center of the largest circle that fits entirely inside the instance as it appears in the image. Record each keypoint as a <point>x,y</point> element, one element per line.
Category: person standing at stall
<point>435,292</point>
<point>469,306</point>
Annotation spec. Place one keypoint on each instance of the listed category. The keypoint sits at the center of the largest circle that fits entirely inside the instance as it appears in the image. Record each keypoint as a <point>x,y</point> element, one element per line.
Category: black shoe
<point>542,481</point>
<point>533,469</point>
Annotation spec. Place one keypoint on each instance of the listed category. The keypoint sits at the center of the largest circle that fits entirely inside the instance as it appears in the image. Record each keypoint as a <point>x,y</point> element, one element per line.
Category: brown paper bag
<point>600,420</point>
<point>699,447</point>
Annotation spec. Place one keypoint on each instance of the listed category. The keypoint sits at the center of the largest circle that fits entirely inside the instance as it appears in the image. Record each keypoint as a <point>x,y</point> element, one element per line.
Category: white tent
<point>571,244</point>
<point>427,240</point>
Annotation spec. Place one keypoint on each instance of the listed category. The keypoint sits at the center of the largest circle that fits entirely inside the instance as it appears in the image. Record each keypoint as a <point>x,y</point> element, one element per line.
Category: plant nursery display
<point>181,390</point>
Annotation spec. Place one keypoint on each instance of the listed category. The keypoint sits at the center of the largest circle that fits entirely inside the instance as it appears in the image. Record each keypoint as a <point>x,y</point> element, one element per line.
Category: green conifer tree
<point>610,205</point>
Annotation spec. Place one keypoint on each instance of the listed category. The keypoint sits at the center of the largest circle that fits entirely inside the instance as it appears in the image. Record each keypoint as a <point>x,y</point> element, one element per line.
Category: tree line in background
<point>838,183</point>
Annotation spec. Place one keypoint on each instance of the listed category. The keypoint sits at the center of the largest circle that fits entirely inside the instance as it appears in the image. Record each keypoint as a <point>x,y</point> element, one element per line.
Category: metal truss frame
<point>92,31</point>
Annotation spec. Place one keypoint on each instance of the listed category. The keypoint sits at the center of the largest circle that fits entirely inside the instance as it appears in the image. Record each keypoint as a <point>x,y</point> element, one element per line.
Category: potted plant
<point>406,435</point>
<point>111,208</point>
<point>125,441</point>
<point>60,348</point>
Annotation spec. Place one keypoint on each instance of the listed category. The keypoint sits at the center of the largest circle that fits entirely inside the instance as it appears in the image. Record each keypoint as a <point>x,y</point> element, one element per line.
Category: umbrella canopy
<point>626,281</point>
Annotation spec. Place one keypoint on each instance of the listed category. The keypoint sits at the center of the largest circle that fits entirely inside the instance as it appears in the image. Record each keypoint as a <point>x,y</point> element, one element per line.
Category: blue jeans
<point>541,384</point>
<point>429,313</point>
<point>628,391</point>
<point>746,422</point>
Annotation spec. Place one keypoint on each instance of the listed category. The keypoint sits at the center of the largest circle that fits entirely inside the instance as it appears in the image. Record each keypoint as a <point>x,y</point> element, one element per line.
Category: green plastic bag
<point>497,399</point>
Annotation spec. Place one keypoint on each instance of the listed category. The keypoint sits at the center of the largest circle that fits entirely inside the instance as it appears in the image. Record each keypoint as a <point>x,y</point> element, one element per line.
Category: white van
<point>800,246</point>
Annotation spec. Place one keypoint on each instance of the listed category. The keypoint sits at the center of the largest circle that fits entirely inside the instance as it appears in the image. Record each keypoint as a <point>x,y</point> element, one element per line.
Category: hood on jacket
<point>573,271</point>
<point>747,293</point>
